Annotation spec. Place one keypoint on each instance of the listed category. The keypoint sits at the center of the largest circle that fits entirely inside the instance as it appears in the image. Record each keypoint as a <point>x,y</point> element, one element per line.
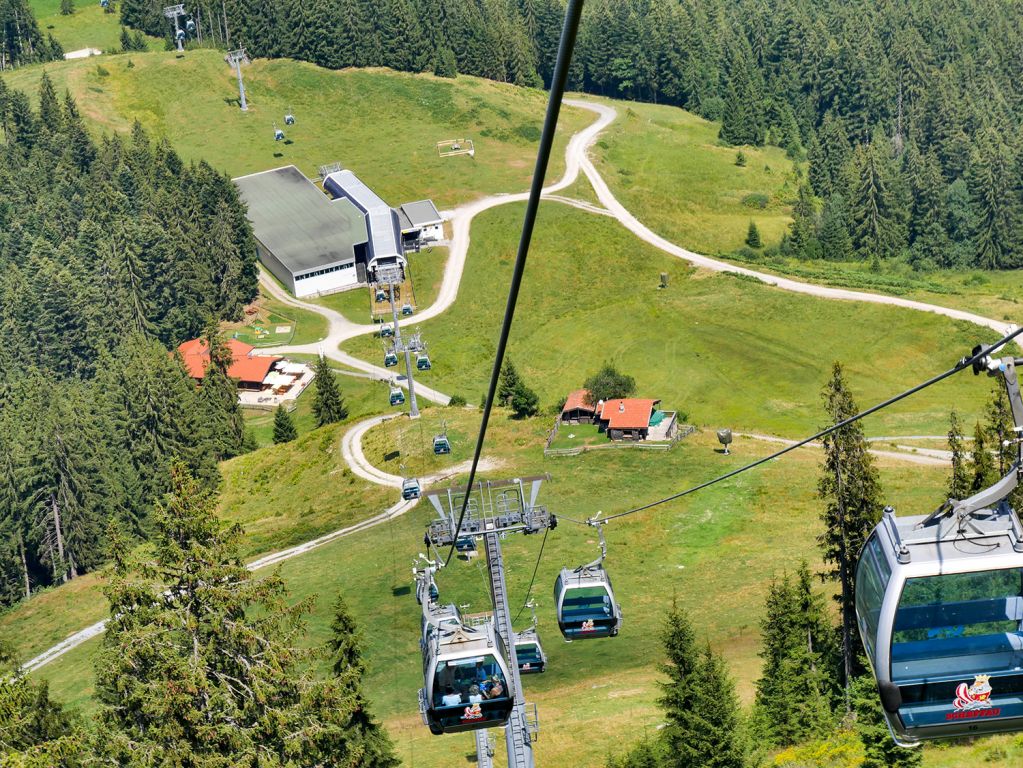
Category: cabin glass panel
<point>465,681</point>
<point>872,577</point>
<point>957,647</point>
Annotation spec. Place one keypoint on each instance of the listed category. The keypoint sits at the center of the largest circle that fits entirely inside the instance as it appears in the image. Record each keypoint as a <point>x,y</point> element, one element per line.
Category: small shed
<point>576,410</point>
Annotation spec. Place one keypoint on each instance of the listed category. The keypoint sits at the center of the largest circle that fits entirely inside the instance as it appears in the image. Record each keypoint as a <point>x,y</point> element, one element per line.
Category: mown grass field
<point>721,350</point>
<point>715,552</point>
<point>381,124</point>
<point>667,167</point>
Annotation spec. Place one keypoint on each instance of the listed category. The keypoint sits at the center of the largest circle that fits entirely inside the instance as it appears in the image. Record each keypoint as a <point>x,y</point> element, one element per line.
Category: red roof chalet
<point>247,368</point>
<point>628,413</point>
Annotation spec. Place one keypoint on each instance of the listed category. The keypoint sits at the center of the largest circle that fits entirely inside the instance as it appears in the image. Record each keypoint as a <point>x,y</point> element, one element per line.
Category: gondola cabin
<point>441,445</point>
<point>406,309</point>
<point>386,331</point>
<point>466,680</point>
<point>586,604</point>
<point>423,362</point>
<point>289,119</point>
<point>190,27</point>
<point>278,134</point>
<point>390,359</point>
<point>529,653</point>
<point>380,295</point>
<point>397,397</point>
<point>410,489</point>
<point>465,544</point>
<point>939,604</point>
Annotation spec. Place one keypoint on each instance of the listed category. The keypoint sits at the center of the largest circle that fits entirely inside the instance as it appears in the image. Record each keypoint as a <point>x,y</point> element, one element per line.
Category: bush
<point>456,401</point>
<point>756,200</point>
<point>740,159</point>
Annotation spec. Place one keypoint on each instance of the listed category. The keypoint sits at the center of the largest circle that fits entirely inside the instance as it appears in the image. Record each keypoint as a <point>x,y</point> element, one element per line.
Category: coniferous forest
<point>111,252</point>
<point>20,39</point>
<point>906,112</point>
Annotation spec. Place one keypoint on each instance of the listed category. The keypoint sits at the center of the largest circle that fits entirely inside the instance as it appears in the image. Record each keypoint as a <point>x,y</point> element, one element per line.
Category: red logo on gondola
<point>587,626</point>
<point>973,700</point>
<point>473,712</point>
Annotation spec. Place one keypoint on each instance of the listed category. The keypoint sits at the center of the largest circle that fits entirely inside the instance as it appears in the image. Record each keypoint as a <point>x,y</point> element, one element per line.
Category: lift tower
<point>392,277</point>
<point>496,508</point>
<point>175,12</point>
<point>236,59</point>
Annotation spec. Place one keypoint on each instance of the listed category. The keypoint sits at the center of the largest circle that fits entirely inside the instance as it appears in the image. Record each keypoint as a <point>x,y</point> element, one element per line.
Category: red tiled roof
<point>628,413</point>
<point>244,366</point>
<point>577,401</point>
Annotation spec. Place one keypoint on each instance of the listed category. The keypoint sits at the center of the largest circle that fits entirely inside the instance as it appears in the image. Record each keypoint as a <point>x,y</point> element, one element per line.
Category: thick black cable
<point>532,581</point>
<point>558,81</point>
<point>962,365</point>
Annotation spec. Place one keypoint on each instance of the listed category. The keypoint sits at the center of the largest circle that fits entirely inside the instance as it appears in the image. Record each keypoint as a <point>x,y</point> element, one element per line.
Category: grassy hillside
<point>381,124</point>
<point>668,168</point>
<point>727,351</point>
<point>87,27</point>
<point>715,552</point>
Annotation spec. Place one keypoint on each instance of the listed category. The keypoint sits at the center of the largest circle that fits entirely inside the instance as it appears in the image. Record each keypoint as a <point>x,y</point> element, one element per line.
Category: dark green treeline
<point>907,112</point>
<point>21,42</point>
<point>111,252</point>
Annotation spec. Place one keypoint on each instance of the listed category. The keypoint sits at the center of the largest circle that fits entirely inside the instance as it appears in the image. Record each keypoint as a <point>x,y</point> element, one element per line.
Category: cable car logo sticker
<point>473,713</point>
<point>587,626</point>
<point>973,700</point>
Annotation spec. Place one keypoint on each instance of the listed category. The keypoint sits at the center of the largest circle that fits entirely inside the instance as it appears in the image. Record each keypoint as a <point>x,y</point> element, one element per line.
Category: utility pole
<point>235,59</point>
<point>175,12</point>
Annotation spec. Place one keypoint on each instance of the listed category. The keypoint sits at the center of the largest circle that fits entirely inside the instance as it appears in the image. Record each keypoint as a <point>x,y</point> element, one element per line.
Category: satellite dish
<point>725,437</point>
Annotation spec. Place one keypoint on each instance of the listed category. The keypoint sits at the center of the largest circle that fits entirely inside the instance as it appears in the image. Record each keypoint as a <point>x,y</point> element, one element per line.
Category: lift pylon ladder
<point>495,508</point>
<point>484,749</point>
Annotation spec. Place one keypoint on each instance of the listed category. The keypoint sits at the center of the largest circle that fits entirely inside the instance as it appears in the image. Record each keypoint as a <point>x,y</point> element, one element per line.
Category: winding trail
<point>341,329</point>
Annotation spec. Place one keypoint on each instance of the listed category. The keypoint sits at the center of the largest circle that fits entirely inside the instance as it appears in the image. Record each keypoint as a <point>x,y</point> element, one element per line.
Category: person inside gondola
<point>451,698</point>
<point>475,697</point>
<point>495,689</point>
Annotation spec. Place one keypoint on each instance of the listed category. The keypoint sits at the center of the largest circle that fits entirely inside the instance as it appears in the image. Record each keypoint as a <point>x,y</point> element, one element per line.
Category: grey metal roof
<point>421,213</point>
<point>296,222</point>
<point>385,234</point>
<point>354,189</point>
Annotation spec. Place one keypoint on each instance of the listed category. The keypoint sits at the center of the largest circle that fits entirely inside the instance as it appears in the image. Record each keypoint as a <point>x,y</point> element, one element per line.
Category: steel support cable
<point>962,365</point>
<point>560,77</point>
<point>532,580</point>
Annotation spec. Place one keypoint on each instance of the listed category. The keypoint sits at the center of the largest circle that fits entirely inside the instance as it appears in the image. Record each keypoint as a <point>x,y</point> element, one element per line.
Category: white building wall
<point>328,283</point>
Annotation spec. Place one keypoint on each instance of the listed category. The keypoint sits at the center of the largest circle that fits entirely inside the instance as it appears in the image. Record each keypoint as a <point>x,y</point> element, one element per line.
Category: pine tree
<point>851,491</point>
<point>349,669</point>
<point>698,700</point>
<point>982,466</point>
<point>959,481</point>
<point>803,230</point>
<point>800,658</point>
<point>284,426</point>
<point>328,404</point>
<point>508,383</point>
<point>67,7</point>
<point>833,234</point>
<point>753,236</point>
<point>200,663</point>
<point>222,420</point>
<point>881,751</point>
<point>525,402</point>
<point>34,729</point>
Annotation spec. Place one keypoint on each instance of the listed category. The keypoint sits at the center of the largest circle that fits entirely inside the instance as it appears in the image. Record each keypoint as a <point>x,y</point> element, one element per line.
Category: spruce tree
<point>200,663</point>
<point>833,234</point>
<point>698,700</point>
<point>880,750</point>
<point>508,383</point>
<point>982,465</point>
<point>222,420</point>
<point>67,7</point>
<point>284,426</point>
<point>959,481</point>
<point>800,668</point>
<point>851,492</point>
<point>328,404</point>
<point>349,669</point>
<point>753,236</point>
